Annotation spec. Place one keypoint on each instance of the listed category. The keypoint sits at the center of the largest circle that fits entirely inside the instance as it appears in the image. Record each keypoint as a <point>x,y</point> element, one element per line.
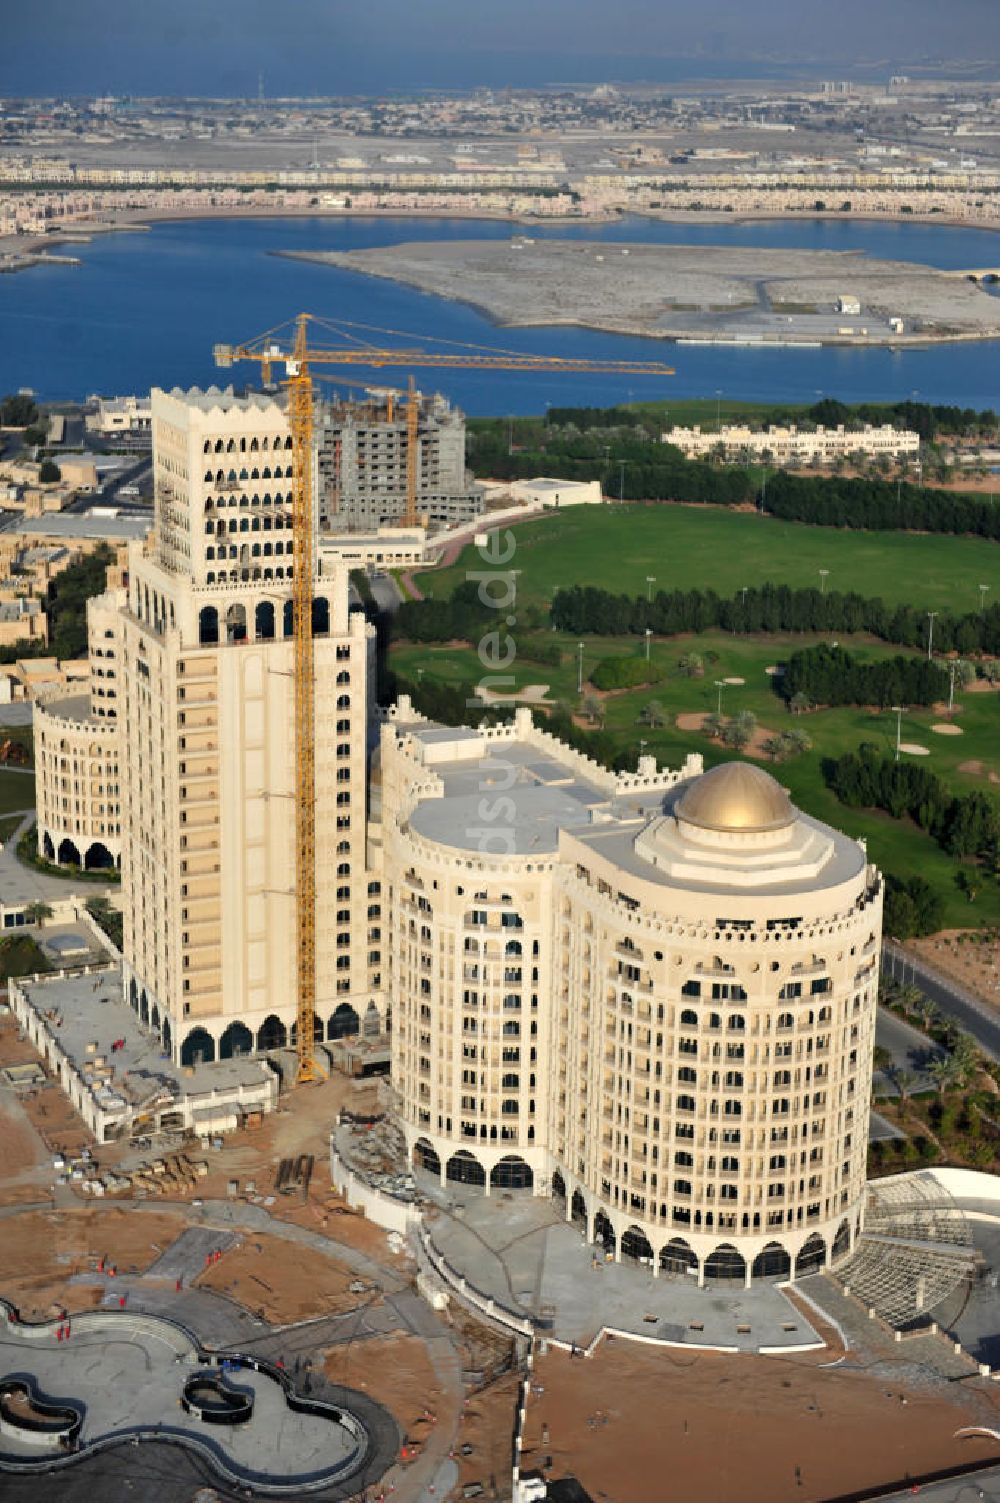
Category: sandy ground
<point>281,1283</point>
<point>43,1249</point>
<point>755,748</point>
<point>978,769</point>
<point>915,749</point>
<point>755,1428</point>
<point>944,728</point>
<point>487,1427</point>
<point>33,1126</point>
<point>679,290</point>
<point>397,1371</point>
<point>971,957</point>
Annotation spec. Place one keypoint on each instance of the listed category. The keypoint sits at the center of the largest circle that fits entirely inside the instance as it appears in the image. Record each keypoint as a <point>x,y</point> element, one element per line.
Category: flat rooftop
<point>505,798</point>
<point>542,796</point>
<point>68,706</point>
<point>88,1013</point>
<point>80,525</point>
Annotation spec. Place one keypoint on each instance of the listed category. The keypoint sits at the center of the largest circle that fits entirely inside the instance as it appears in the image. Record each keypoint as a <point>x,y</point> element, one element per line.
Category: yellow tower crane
<point>290,346</point>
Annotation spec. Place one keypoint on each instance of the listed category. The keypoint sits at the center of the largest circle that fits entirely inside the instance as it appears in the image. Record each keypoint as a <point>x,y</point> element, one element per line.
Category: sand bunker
<point>690,721</point>
<point>943,728</point>
<point>915,750</point>
<point>734,680</point>
<point>976,767</point>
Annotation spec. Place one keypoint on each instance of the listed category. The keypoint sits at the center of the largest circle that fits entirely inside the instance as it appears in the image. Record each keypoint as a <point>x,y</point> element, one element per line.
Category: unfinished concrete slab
<point>192,1252</point>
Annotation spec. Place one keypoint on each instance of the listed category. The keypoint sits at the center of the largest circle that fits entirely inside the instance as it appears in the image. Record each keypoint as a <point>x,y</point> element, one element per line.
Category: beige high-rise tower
<point>207,748</point>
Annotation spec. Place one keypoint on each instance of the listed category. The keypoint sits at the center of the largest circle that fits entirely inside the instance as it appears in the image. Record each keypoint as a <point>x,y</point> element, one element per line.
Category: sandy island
<point>717,294</point>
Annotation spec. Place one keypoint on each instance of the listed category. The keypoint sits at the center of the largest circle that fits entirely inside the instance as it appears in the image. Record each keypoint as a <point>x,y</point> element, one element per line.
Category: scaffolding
<point>916,1249</point>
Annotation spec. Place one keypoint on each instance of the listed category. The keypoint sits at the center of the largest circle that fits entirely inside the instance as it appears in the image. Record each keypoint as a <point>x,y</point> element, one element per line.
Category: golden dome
<point>736,797</point>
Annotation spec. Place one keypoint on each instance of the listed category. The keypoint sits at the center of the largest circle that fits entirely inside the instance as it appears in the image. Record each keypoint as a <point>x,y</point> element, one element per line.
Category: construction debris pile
<point>175,1174</point>
<point>375,1148</point>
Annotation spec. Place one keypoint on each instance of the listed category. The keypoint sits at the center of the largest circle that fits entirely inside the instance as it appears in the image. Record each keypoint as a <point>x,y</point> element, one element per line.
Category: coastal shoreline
<point>138,220</point>
<point>922,340</point>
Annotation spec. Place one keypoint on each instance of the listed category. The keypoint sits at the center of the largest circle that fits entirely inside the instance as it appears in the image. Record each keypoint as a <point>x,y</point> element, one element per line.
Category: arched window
<point>264,621</point>
<point>208,626</point>
<point>321,617</point>
<point>689,1018</point>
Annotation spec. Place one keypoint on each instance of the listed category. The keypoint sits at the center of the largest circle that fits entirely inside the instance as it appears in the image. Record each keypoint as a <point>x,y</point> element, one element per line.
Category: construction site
<point>241,1259</point>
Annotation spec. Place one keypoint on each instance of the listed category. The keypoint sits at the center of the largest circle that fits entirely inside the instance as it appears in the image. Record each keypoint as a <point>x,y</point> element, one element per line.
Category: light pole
<point>649,633</point>
<point>579,667</point>
<point>720,684</point>
<point>513,587</point>
<point>650,582</point>
<point>621,480</point>
<point>982,597</point>
<point>952,666</point>
<point>930,633</point>
<point>898,712</point>
<point>822,580</point>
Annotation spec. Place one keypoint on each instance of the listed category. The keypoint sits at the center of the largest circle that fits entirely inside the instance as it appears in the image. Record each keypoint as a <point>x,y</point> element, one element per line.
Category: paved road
<point>910,1050</point>
<point>880,1131</point>
<point>386,592</point>
<point>976,1017</point>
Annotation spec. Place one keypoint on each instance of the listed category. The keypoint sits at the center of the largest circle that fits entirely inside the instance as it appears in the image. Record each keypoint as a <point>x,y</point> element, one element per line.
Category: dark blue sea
<point>145,309</point>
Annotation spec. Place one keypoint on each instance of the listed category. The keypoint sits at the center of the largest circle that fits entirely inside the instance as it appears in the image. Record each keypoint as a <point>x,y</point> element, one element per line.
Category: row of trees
<point>464,616</point>
<point>879,506</point>
<point>927,419</point>
<point>583,609</point>
<point>827,675</point>
<point>965,824</point>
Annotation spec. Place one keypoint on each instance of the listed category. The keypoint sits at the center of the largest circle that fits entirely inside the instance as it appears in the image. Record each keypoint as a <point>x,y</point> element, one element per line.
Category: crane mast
<point>300,420</point>
<point>299,358</point>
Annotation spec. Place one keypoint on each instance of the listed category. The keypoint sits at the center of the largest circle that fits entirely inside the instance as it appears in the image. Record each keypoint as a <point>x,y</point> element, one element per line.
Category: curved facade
<point>651,996</point>
<point>76,784</point>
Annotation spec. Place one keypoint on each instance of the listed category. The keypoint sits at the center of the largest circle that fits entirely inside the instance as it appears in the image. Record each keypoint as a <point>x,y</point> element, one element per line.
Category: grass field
<point>896,845</point>
<point>17,791</point>
<point>686,547</point>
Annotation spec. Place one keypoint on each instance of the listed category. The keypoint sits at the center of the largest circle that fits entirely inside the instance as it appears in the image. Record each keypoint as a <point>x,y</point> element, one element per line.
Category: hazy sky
<point>366,46</point>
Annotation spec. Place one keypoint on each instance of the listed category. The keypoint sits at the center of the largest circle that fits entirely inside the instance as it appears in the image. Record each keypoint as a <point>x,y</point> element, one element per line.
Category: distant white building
<point>545,491</point>
<point>793,445</point>
<point>115,415</point>
<point>849,304</point>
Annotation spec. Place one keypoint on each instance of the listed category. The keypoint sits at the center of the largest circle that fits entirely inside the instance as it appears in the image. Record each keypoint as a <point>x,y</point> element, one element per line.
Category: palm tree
<point>881,1059</point>
<point>926,1012</point>
<point>943,1070</point>
<point>910,998</point>
<point>37,913</point>
<point>904,1081</point>
<point>654,714</point>
<point>775,747</point>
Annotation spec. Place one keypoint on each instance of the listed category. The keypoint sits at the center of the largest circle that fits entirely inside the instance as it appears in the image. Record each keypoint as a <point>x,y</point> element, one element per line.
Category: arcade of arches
<point>674,1257</point>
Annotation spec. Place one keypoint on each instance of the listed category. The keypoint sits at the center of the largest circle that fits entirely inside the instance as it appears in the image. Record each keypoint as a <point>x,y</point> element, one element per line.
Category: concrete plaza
<point>517,1251</point>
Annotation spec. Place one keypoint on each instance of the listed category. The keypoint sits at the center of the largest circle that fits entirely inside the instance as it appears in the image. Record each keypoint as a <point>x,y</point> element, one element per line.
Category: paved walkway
<point>24,884</point>
<point>518,1252</point>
